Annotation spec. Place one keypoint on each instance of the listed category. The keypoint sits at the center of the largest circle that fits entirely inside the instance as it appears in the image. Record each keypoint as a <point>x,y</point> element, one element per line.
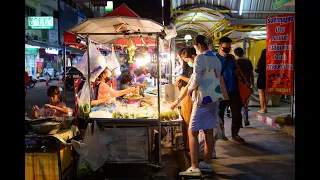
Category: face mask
<point>190,64</point>
<point>226,50</point>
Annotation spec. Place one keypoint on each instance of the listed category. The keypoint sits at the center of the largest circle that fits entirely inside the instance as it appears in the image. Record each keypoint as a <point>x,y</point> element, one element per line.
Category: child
<point>55,108</point>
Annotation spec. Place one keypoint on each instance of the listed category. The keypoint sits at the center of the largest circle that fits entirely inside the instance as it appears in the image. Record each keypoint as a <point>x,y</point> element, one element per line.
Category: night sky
<point>147,8</point>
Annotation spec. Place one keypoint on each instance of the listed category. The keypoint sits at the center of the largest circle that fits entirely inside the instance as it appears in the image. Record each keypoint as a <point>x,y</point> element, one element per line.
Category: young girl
<point>55,108</point>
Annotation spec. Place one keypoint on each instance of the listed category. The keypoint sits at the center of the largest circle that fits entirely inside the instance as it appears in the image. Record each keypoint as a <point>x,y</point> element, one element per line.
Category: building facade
<point>43,47</point>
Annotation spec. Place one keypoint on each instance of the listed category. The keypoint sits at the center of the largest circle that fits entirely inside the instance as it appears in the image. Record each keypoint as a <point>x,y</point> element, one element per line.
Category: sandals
<point>261,111</point>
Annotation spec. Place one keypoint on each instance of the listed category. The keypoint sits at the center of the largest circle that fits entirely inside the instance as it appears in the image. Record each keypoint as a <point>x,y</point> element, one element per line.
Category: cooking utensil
<point>65,121</point>
<point>45,128</point>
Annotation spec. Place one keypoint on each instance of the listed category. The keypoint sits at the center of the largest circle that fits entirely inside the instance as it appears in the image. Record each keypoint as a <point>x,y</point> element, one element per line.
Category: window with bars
<point>30,11</point>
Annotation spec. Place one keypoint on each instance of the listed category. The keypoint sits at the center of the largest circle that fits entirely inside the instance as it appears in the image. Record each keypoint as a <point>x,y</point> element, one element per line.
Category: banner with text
<point>280,54</point>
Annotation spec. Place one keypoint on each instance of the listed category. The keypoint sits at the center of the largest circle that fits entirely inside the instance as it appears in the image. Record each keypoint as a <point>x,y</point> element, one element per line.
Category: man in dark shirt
<point>246,68</point>
<point>230,75</point>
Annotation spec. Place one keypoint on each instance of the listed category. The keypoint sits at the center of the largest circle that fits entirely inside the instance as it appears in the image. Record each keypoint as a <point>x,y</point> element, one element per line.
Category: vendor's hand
<point>132,90</point>
<point>48,106</point>
<point>174,104</point>
<point>35,108</point>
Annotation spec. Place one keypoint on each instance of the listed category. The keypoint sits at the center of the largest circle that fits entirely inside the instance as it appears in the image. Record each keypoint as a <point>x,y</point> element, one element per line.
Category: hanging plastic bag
<point>84,101</point>
<point>170,31</point>
<point>83,168</point>
<point>97,63</point>
<point>113,63</point>
<point>92,150</point>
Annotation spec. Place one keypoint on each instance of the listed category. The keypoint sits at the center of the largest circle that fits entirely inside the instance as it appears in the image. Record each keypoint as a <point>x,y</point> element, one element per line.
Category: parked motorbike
<point>32,82</point>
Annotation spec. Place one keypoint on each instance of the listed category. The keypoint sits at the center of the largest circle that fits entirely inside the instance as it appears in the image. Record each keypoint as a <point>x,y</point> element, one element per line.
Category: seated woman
<point>104,91</point>
<point>55,108</point>
<point>127,81</point>
<point>140,76</point>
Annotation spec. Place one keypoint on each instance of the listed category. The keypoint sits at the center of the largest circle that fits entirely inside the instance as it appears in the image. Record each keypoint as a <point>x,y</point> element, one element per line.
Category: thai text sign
<point>40,22</point>
<point>280,54</point>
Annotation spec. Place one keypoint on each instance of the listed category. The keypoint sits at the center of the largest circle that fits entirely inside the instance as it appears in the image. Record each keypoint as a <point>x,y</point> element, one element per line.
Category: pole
<point>88,60</point>
<point>159,91</point>
<point>65,73</point>
<point>162,9</point>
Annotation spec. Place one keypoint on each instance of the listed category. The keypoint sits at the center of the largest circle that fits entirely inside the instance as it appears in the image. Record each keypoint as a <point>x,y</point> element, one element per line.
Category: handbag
<point>210,90</point>
<point>243,85</point>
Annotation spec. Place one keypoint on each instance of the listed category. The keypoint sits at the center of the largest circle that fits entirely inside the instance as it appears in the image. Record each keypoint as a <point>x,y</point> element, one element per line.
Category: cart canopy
<point>118,24</point>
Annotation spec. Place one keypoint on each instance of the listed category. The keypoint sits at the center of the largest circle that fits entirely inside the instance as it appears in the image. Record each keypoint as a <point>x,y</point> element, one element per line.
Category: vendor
<point>105,91</point>
<point>141,78</point>
<point>55,108</point>
<point>127,81</point>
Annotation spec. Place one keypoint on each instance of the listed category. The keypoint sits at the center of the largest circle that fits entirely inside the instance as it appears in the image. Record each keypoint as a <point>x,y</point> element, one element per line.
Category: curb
<point>289,129</point>
<point>267,120</point>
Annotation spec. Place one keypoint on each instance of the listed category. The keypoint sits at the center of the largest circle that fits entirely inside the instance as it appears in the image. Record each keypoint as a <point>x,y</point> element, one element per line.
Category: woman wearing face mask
<point>104,90</point>
<point>203,117</point>
<point>181,82</point>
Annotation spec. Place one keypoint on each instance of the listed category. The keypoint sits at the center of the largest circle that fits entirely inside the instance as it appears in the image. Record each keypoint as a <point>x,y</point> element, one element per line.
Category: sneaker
<point>205,167</point>
<point>224,138</point>
<point>237,138</point>
<point>246,123</point>
<point>191,172</point>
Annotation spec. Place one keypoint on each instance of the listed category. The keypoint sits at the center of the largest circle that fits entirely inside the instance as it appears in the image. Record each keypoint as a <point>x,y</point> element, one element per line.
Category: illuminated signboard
<point>52,51</point>
<point>40,22</point>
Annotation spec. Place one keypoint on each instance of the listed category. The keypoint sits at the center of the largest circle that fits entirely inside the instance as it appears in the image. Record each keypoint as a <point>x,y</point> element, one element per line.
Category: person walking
<point>230,75</point>
<point>261,81</point>
<point>246,68</point>
<point>202,116</point>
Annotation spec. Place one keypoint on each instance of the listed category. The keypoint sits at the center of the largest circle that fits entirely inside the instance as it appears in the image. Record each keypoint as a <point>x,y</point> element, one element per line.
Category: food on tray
<point>169,115</point>
<point>133,113</point>
<point>147,101</point>
<point>133,96</point>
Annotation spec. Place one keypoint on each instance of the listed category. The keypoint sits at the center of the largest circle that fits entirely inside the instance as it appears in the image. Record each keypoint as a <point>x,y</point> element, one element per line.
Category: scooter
<point>32,82</point>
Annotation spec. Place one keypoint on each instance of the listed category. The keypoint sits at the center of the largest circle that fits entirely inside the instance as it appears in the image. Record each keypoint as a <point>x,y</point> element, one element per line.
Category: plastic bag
<point>113,63</point>
<point>83,168</point>
<point>170,31</point>
<point>97,63</point>
<point>92,150</point>
<point>219,131</point>
<point>84,101</point>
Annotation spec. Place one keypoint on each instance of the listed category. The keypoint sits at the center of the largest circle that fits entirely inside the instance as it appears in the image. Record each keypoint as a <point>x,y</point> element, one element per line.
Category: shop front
<point>31,57</point>
<point>50,60</point>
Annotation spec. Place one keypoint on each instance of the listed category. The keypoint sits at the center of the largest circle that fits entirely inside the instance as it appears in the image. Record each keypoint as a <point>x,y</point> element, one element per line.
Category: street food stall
<point>48,151</point>
<point>127,128</point>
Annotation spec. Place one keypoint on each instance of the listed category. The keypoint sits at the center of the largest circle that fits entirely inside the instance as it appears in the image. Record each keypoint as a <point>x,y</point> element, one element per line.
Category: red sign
<point>280,56</point>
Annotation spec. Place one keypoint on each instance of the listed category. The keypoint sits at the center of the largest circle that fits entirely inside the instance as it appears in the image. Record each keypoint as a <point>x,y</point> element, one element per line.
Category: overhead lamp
<point>187,37</point>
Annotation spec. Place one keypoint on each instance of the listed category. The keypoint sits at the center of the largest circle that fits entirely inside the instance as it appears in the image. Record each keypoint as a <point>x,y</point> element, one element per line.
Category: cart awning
<point>116,24</point>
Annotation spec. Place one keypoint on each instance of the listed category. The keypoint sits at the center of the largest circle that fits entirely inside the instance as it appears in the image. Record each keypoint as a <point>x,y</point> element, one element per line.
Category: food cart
<point>128,136</point>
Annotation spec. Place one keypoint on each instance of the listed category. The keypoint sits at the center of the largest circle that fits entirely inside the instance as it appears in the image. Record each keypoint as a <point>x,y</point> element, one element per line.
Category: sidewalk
<point>267,154</point>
